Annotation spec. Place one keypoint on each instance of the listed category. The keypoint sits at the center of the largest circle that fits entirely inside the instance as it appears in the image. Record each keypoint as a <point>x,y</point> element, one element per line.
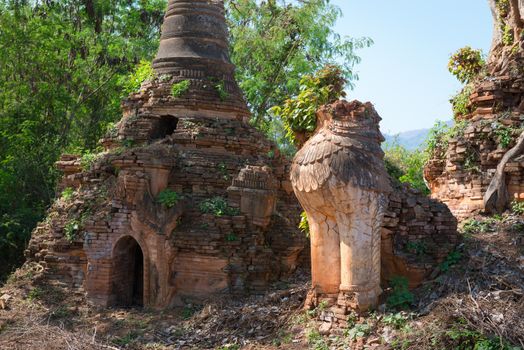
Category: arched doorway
<point>128,273</point>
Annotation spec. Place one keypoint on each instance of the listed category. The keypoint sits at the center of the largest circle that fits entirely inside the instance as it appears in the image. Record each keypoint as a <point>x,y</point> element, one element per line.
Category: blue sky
<point>404,74</point>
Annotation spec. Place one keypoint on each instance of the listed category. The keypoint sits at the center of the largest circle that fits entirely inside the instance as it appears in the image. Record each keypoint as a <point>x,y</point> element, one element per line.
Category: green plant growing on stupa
<point>180,88</point>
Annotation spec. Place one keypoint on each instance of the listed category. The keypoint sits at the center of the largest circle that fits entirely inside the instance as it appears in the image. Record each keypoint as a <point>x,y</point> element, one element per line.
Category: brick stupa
<point>234,227</point>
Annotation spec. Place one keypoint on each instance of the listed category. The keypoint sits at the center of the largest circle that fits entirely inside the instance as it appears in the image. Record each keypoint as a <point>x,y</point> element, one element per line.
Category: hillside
<point>411,139</point>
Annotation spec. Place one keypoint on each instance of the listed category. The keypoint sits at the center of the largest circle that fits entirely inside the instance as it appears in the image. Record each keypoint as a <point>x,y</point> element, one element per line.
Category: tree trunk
<point>513,17</point>
<point>496,197</point>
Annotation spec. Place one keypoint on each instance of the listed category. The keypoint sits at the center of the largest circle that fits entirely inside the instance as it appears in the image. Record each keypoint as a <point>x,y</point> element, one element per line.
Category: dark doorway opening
<point>128,273</point>
<point>164,126</point>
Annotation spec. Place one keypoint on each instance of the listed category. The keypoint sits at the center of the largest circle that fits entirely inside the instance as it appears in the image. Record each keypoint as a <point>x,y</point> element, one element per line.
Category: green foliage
<point>34,294</point>
<point>71,230</point>
<point>400,297</point>
<point>504,134</point>
<point>460,102</point>
<point>463,338</point>
<point>439,136</point>
<point>507,35</point>
<point>180,88</point>
<point>63,67</point>
<point>143,71</point>
<point>316,341</point>
<point>359,330</point>
<point>230,347</point>
<point>231,237</point>
<point>88,159</point>
<point>217,206</point>
<point>220,88</point>
<point>304,224</point>
<point>397,320</point>
<point>473,226</point>
<point>127,339</point>
<point>67,194</point>
<point>168,197</point>
<point>188,311</point>
<point>418,248</point>
<point>466,64</point>
<point>406,166</point>
<point>276,43</point>
<point>299,113</point>
<point>222,168</point>
<point>452,259</point>
<point>517,207</point>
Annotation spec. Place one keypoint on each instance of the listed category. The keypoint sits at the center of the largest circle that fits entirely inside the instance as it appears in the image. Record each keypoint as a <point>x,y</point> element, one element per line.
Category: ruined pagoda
<point>188,200</point>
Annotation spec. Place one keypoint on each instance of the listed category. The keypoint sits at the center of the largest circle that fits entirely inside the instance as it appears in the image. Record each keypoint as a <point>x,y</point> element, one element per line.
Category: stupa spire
<point>194,46</point>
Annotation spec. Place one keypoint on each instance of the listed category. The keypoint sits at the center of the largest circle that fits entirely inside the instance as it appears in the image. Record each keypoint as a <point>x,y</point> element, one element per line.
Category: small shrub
<point>111,130</point>
<point>462,338</point>
<point>471,161</point>
<point>127,339</point>
<point>473,226</point>
<point>418,248</point>
<point>144,71</point>
<point>188,312</point>
<point>316,341</point>
<point>34,294</point>
<point>460,101</point>
<point>400,297</point>
<point>230,347</point>
<point>504,135</point>
<point>397,320</point>
<point>466,64</point>
<point>304,224</point>
<point>71,230</point>
<point>517,207</point>
<point>168,197</point>
<point>299,112</point>
<point>180,88</point>
<point>67,194</point>
<point>439,136</point>
<point>220,88</point>
<point>217,206</point>
<point>223,170</point>
<point>231,237</point>
<point>452,259</point>
<point>88,159</point>
<point>358,331</point>
<point>405,166</point>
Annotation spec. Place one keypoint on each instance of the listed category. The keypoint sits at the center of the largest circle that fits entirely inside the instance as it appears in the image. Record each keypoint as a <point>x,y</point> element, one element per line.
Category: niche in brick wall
<point>128,273</point>
<point>164,126</point>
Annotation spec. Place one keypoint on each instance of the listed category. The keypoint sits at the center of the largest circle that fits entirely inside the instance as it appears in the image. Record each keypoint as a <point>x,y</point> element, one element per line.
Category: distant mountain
<point>413,139</point>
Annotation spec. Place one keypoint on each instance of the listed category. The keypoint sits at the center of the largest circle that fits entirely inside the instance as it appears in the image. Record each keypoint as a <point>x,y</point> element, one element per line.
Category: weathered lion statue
<point>340,179</point>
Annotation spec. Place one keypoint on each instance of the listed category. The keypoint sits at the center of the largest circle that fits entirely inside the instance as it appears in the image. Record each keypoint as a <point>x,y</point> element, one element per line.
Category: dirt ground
<point>474,300</point>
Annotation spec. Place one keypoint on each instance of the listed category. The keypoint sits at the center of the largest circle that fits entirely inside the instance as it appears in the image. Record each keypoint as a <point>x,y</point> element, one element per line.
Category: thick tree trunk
<point>496,197</point>
<point>512,16</point>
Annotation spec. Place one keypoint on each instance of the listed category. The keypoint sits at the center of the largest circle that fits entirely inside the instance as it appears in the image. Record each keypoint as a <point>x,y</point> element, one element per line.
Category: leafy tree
<point>299,113</point>
<point>276,42</point>
<point>406,166</point>
<point>63,65</point>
